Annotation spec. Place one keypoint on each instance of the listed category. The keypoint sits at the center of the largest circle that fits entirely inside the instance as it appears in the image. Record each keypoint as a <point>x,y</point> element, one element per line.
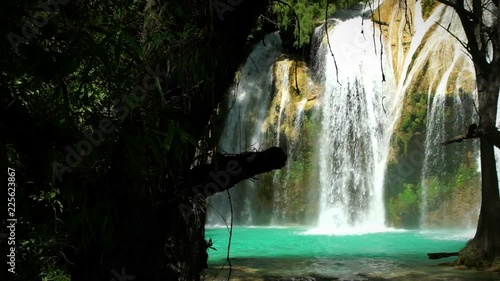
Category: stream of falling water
<point>284,72</point>
<point>441,99</point>
<point>354,131</point>
<point>299,117</point>
<point>435,133</point>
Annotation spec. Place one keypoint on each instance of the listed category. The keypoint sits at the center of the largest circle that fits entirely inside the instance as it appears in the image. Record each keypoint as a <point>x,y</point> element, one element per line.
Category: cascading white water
<point>281,184</point>
<point>283,89</point>
<point>355,130</point>
<point>440,99</point>
<point>435,133</point>
<point>408,63</point>
<point>497,151</point>
<point>284,72</point>
<point>242,130</point>
<point>299,116</point>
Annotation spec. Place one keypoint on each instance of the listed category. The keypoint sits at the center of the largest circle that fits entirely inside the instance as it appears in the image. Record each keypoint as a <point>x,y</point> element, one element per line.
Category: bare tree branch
<point>454,36</point>
<point>471,24</point>
<point>329,45</point>
<point>457,7</point>
<point>226,170</point>
<point>382,44</point>
<point>471,133</point>
<point>297,89</point>
<point>491,134</point>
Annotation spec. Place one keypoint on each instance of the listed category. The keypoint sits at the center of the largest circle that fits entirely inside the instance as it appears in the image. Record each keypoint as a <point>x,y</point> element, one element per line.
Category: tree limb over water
<point>435,256</point>
<point>229,169</point>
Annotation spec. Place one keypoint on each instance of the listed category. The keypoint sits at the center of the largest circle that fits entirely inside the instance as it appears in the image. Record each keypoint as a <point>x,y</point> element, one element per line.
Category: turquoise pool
<point>295,253</point>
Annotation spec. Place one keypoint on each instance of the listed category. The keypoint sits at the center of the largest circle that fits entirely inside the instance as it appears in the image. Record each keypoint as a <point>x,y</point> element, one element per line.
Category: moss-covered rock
<point>292,123</point>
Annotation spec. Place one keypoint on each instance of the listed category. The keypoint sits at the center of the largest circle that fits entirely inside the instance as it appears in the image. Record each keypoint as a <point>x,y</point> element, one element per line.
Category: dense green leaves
<point>309,14</point>
<point>93,106</point>
<point>406,205</point>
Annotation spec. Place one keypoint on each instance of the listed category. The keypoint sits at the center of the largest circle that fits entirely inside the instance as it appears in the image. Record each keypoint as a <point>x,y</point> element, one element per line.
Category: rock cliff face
<point>427,184</point>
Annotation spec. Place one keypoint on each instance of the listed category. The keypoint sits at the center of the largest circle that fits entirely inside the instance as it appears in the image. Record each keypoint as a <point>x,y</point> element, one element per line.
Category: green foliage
<point>441,189</point>
<point>427,7</point>
<point>414,118</point>
<point>54,274</point>
<point>415,114</point>
<point>403,208</point>
<point>453,178</point>
<point>406,205</point>
<point>406,122</point>
<point>81,68</point>
<point>465,174</point>
<point>410,198</point>
<point>310,14</point>
<point>42,251</point>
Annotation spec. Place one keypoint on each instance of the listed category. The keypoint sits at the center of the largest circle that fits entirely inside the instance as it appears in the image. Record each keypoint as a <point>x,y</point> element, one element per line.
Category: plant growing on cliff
<point>404,209</point>
<point>306,12</point>
<point>413,120</point>
<point>309,13</point>
<point>427,7</point>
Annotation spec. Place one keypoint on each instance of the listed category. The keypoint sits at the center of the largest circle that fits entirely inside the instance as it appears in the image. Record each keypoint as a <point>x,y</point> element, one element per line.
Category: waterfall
<point>435,133</point>
<point>247,110</point>
<point>355,130</point>
<point>347,130</point>
<point>282,183</point>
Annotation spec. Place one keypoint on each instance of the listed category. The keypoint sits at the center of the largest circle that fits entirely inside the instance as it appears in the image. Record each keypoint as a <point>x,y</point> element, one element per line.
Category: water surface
<point>259,253</point>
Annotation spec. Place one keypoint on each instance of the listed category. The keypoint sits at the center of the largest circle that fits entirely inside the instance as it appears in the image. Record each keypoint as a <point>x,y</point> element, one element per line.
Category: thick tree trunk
<point>227,170</point>
<point>162,237</point>
<point>488,230</point>
<point>485,246</point>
